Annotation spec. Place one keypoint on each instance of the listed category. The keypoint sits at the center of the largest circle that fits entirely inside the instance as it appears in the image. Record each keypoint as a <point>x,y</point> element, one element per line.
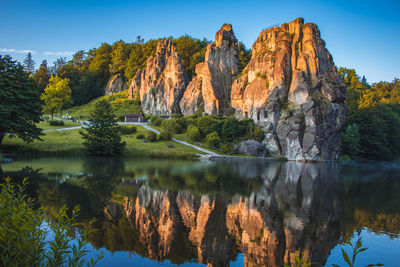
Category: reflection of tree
<point>215,178</point>
<point>372,196</point>
<point>101,178</point>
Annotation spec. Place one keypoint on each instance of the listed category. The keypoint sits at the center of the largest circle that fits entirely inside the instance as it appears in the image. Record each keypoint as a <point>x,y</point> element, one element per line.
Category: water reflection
<point>210,212</point>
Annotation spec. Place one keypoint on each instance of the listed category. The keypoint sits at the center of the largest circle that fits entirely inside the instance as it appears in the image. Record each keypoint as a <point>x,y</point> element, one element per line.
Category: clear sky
<point>364,35</point>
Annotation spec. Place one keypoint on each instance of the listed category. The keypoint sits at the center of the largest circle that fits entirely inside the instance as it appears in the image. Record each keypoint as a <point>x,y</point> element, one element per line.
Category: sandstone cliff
<point>161,85</point>
<point>115,84</point>
<point>210,89</point>
<point>291,88</point>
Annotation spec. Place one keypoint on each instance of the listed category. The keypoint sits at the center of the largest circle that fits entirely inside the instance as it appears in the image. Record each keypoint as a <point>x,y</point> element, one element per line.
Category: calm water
<point>160,212</point>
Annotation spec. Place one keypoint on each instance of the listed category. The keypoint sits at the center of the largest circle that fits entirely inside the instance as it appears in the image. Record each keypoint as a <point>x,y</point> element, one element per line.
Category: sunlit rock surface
<point>161,85</point>
<point>291,88</point>
<point>115,84</point>
<point>210,89</point>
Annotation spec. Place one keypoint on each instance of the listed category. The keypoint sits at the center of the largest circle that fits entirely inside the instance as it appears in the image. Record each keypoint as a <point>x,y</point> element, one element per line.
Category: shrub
<point>164,136</point>
<point>151,136</point>
<point>157,121</point>
<point>126,130</point>
<point>259,134</point>
<point>140,136</point>
<point>171,126</point>
<point>213,139</point>
<point>56,123</point>
<point>193,133</point>
<point>23,240</point>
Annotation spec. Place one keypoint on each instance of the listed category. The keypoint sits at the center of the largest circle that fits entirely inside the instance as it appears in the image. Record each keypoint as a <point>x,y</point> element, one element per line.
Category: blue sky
<point>364,35</point>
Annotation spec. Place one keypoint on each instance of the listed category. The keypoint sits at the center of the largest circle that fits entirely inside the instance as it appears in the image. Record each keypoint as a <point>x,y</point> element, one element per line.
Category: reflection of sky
<point>381,249</point>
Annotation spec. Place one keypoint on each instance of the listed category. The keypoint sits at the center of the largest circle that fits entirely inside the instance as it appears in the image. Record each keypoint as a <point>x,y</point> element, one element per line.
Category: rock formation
<point>210,89</point>
<point>250,148</point>
<point>162,84</point>
<point>115,84</point>
<point>291,88</point>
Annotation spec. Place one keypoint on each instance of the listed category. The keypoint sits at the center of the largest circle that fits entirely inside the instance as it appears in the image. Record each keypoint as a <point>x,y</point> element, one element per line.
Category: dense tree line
<point>373,123</point>
<point>88,72</point>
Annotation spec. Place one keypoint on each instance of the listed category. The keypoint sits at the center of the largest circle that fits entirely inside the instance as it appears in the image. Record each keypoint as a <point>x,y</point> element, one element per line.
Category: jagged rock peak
<point>161,85</point>
<point>291,87</point>
<point>225,36</point>
<point>210,89</point>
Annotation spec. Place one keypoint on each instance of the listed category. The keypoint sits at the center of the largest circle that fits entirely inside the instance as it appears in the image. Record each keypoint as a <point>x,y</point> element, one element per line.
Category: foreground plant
<point>356,249</point>
<point>23,234</point>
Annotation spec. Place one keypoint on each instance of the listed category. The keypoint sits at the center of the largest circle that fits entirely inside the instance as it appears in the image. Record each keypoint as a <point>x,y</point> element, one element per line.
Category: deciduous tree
<point>56,95</point>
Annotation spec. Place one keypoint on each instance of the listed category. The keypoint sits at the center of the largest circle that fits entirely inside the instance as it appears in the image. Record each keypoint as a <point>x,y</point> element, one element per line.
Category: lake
<point>161,212</point>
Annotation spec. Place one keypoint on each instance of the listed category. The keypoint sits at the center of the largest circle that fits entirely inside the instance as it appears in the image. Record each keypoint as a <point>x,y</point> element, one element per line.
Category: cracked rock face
<point>161,85</point>
<point>291,88</point>
<point>115,84</point>
<point>210,89</point>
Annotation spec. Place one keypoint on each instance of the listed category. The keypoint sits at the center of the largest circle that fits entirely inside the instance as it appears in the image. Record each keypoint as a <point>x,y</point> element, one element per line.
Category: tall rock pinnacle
<point>291,88</point>
<point>210,89</point>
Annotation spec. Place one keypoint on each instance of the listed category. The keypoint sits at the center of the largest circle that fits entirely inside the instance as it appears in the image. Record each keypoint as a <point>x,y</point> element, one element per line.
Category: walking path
<point>209,153</point>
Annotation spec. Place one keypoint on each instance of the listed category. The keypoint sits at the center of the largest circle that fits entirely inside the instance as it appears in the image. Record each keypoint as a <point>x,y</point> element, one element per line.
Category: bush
<point>213,139</point>
<point>56,123</point>
<point>140,136</point>
<point>23,240</point>
<point>157,121</point>
<point>164,136</point>
<point>126,130</point>
<point>171,126</point>
<point>151,136</point>
<point>193,133</point>
<point>259,134</point>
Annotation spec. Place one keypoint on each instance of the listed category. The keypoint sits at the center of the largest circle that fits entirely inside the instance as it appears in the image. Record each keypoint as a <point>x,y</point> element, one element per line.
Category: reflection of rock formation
<point>300,215</point>
<point>296,211</point>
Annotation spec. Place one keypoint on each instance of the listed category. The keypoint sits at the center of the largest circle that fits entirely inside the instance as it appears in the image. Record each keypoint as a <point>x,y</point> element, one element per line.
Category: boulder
<point>291,88</point>
<point>250,148</point>
<point>210,89</point>
<point>115,84</point>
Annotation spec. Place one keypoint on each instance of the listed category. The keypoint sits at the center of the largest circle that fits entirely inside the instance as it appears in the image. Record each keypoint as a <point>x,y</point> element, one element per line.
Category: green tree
<point>56,95</point>
<point>20,106</point>
<point>192,52</point>
<point>138,57</point>
<point>29,63</point>
<point>42,76</point>
<point>102,135</point>
<point>244,56</point>
<point>58,65</point>
<point>351,141</point>
<point>99,62</point>
<point>119,55</point>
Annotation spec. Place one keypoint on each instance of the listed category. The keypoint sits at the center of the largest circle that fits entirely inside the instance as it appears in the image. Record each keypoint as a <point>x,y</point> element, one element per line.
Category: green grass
<point>70,142</point>
<point>46,126</point>
<point>119,101</point>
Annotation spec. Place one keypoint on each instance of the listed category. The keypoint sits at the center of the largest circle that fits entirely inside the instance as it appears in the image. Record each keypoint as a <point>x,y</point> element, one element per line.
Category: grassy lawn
<point>119,101</point>
<point>46,126</point>
<point>70,142</point>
